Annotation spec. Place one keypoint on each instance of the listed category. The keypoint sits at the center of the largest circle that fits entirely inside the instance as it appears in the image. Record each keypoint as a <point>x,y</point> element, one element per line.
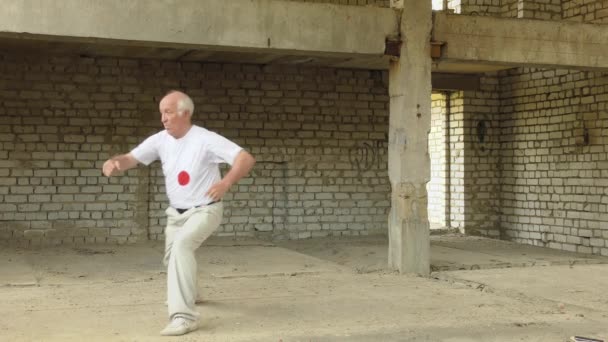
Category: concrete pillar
<point>410,123</point>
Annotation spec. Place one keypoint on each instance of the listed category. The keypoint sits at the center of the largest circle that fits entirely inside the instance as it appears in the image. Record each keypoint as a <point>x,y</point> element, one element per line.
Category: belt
<point>181,211</point>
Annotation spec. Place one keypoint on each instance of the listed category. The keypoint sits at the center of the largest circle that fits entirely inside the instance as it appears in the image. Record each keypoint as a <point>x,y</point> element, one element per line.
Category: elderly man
<point>190,156</point>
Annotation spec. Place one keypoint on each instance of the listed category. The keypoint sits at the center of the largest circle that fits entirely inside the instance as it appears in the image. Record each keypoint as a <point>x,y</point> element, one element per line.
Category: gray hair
<point>184,103</point>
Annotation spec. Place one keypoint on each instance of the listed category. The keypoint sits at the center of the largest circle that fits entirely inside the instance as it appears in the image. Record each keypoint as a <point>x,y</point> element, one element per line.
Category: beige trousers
<point>183,235</point>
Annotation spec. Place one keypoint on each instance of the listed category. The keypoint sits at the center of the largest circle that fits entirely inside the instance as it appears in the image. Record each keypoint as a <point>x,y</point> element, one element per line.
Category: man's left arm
<point>243,163</point>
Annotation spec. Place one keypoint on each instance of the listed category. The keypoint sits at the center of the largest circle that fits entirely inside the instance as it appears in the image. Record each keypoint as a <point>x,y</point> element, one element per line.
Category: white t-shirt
<point>190,164</point>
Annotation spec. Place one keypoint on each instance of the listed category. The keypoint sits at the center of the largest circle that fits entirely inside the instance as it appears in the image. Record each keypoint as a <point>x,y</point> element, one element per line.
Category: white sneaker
<point>179,326</point>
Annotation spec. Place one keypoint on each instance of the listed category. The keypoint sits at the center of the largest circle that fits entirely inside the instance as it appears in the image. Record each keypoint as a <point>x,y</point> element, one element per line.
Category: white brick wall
<point>541,180</point>
<point>456,138</point>
<point>439,166</point>
<point>592,11</point>
<point>509,8</point>
<point>480,7</point>
<point>464,188</point>
<point>540,9</point>
<point>529,9</point>
<point>553,178</point>
<point>319,137</point>
<point>482,158</point>
<point>55,129</point>
<point>447,151</point>
<point>538,177</point>
<point>595,11</point>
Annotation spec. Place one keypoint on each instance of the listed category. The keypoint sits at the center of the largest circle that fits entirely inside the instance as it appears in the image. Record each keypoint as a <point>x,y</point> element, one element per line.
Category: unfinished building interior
<point>516,138</point>
<point>392,119</point>
<point>367,118</point>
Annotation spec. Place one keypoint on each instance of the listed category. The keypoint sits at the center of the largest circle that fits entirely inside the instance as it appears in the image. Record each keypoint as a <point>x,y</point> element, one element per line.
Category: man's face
<point>177,125</point>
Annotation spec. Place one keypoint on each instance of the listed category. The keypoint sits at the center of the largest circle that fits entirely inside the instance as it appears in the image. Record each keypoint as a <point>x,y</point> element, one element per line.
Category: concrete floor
<point>309,290</point>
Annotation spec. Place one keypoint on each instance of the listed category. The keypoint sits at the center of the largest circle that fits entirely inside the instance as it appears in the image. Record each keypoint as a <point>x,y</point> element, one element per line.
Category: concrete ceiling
<point>105,49</point>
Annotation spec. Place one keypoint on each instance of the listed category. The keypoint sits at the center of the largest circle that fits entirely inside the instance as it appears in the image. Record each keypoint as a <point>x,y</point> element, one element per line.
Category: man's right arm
<point>118,164</point>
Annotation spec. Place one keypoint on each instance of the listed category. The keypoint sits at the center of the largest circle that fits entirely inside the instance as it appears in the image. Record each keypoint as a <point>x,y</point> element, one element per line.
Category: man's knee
<point>183,243</point>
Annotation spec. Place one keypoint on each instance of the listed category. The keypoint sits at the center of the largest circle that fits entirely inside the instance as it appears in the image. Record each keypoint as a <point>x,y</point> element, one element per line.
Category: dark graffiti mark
<point>367,155</point>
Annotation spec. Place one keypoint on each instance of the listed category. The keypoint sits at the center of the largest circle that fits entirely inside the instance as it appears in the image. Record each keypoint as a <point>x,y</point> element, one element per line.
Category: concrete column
<point>410,123</point>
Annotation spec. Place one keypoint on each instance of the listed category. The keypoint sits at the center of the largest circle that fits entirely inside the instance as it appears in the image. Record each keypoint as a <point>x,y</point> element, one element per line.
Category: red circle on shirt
<point>183,178</point>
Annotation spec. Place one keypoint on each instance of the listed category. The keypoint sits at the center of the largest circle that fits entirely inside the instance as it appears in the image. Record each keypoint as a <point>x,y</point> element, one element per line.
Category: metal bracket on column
<point>437,49</point>
<point>392,48</point>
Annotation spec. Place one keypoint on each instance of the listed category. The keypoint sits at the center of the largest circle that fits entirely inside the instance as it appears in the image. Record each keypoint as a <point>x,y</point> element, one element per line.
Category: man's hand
<point>242,165</point>
<point>111,167</point>
<point>118,164</point>
<point>217,191</point>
